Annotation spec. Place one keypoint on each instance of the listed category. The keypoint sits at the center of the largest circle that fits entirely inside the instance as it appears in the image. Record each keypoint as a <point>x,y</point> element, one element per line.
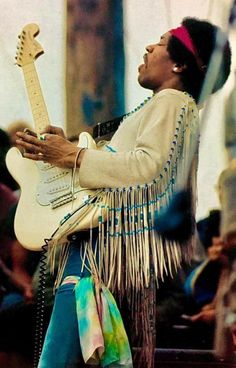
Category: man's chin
<point>142,82</point>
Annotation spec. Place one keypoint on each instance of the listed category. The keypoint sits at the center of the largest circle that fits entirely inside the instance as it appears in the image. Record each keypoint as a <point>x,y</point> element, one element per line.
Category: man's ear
<point>179,68</point>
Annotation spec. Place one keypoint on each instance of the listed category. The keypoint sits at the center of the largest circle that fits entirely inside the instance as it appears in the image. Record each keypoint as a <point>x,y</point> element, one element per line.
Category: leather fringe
<point>130,255</point>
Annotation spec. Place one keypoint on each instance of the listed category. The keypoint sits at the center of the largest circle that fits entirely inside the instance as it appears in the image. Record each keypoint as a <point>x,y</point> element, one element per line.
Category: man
<point>138,171</point>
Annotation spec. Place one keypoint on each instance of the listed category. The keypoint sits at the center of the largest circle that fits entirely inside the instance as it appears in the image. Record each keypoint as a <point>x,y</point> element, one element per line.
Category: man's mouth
<point>144,65</point>
<point>145,59</point>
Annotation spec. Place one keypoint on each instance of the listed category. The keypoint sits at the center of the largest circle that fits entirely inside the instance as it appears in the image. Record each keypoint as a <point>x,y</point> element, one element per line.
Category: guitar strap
<point>107,127</point>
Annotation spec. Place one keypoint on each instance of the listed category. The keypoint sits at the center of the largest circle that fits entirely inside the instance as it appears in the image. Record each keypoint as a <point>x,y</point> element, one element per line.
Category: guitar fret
<point>38,106</point>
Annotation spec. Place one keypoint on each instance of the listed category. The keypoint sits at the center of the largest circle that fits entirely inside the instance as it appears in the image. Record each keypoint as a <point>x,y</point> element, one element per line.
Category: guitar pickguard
<point>53,182</point>
<point>55,185</point>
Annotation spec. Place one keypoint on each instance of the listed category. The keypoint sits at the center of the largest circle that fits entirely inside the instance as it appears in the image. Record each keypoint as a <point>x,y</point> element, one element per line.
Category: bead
<point>136,109</point>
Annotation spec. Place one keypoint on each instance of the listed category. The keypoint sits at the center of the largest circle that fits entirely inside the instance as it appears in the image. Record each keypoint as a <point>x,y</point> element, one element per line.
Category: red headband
<point>183,36</point>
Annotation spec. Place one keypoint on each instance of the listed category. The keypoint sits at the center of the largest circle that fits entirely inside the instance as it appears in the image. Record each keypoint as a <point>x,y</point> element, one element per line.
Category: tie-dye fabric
<point>102,334</point>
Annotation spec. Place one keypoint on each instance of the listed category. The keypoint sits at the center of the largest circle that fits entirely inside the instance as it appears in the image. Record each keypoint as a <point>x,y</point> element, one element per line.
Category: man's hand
<point>54,130</point>
<point>53,148</point>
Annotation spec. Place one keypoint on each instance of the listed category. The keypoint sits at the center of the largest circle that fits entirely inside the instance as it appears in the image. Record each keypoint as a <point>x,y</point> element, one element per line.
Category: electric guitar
<point>48,193</point>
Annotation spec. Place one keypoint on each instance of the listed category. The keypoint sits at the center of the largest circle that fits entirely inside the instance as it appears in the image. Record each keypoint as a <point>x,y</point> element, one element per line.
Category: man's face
<point>157,67</point>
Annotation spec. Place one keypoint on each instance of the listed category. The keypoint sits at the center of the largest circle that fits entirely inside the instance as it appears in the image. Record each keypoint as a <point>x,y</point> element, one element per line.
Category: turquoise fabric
<point>85,322</point>
<point>102,335</point>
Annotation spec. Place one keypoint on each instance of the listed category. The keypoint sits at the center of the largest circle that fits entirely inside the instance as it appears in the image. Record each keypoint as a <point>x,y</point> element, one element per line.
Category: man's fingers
<point>29,146</point>
<point>30,143</point>
<point>29,132</point>
<point>54,130</point>
<point>47,129</point>
<point>27,137</point>
<point>33,156</point>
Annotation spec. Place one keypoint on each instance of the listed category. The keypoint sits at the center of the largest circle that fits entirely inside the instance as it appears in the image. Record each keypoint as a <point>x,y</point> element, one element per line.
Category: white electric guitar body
<point>48,194</point>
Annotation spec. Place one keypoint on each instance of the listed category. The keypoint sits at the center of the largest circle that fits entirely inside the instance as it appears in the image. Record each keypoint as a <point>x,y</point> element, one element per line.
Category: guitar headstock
<point>28,49</point>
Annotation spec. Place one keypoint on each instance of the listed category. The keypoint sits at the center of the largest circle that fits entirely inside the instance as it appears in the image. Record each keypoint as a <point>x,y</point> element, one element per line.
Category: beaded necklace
<point>136,108</point>
<point>140,106</point>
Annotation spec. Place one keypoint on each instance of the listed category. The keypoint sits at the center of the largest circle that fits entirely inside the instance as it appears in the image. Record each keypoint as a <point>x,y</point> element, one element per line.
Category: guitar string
<point>41,117</point>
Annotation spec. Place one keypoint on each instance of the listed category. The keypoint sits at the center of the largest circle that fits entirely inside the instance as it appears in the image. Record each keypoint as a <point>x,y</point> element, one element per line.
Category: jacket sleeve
<point>102,169</point>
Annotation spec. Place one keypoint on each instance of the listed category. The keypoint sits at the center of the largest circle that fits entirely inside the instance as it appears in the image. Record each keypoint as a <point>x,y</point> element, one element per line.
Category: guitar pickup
<point>44,166</point>
<point>57,189</point>
<point>57,176</point>
<point>59,201</point>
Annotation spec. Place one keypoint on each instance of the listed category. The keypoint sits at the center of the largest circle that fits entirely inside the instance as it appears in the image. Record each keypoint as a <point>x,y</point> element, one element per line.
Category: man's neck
<point>173,84</point>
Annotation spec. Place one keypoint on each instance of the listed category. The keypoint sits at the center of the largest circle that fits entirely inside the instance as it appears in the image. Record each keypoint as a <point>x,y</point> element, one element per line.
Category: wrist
<point>80,156</point>
<point>70,160</point>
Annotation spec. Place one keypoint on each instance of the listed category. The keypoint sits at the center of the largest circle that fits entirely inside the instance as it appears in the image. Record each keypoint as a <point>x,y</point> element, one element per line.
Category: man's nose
<point>149,48</point>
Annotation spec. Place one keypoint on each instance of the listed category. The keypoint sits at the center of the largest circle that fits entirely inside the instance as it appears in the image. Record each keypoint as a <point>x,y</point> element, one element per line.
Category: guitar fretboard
<point>38,106</point>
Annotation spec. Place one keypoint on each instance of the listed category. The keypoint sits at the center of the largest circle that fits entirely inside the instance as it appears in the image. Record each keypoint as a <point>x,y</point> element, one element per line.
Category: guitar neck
<point>38,106</point>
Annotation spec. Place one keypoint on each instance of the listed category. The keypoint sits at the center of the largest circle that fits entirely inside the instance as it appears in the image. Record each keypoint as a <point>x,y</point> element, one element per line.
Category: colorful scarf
<point>103,339</point>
